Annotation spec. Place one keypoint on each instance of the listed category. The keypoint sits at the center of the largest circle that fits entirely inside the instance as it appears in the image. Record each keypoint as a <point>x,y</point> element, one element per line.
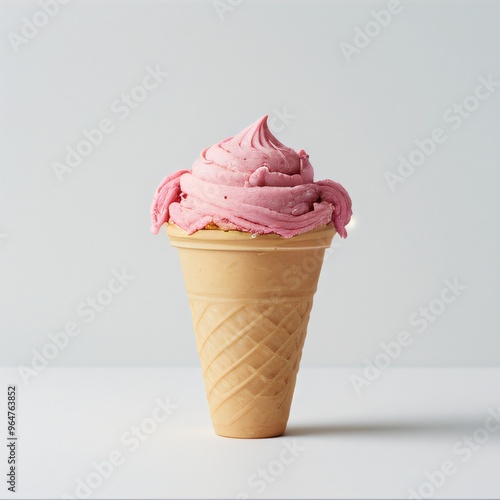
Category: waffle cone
<point>250,301</point>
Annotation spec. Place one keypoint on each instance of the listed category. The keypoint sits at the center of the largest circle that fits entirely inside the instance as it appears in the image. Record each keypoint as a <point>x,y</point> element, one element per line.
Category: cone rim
<point>219,239</point>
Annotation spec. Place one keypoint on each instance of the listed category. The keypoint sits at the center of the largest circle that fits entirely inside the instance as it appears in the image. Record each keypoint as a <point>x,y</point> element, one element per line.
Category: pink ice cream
<point>252,183</point>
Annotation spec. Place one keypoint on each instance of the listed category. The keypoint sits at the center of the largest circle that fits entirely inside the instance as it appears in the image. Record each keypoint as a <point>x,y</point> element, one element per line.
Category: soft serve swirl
<point>251,182</point>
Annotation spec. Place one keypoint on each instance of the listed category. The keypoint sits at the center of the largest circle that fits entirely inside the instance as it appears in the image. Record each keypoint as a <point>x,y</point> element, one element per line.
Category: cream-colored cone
<point>250,301</point>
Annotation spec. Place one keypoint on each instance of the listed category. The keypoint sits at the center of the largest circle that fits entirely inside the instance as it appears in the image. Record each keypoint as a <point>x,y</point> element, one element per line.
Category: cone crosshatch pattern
<point>250,355</point>
<point>250,301</point>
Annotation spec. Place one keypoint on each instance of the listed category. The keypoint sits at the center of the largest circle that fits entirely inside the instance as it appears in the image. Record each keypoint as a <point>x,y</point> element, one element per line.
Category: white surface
<point>59,242</point>
<point>377,445</point>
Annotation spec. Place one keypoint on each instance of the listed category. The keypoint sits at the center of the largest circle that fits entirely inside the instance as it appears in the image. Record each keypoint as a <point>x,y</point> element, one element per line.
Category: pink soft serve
<point>252,183</point>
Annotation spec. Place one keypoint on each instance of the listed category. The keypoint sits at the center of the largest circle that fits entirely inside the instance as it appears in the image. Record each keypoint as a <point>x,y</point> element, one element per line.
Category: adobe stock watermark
<point>298,274</point>
<point>264,476</point>
<point>464,449</point>
<point>455,116</point>
<point>88,310</point>
<point>222,7</point>
<point>130,441</point>
<point>279,119</point>
<point>122,106</point>
<point>420,320</point>
<point>31,27</point>
<point>363,37</point>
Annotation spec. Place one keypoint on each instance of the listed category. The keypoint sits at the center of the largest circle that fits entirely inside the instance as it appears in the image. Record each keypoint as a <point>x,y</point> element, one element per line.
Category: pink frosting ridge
<point>251,182</point>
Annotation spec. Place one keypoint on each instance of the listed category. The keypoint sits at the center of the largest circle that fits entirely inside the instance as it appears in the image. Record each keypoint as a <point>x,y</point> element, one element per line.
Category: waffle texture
<point>250,300</point>
<point>250,354</point>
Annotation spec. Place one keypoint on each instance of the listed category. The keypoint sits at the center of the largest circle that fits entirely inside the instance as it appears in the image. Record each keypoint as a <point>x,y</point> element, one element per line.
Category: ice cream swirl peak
<point>253,183</point>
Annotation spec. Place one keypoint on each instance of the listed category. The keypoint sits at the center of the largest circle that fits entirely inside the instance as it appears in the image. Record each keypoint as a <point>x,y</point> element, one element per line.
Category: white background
<point>377,445</point>
<point>61,241</point>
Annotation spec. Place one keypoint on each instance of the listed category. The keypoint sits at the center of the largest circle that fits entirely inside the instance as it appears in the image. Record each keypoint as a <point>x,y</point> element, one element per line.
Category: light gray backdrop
<point>354,83</point>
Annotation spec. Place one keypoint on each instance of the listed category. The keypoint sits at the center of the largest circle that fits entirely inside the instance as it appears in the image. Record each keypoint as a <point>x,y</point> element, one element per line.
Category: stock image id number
<point>11,406</point>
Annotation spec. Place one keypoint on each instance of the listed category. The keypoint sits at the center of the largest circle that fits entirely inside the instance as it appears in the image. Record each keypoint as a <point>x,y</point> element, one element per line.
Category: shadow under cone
<point>250,300</point>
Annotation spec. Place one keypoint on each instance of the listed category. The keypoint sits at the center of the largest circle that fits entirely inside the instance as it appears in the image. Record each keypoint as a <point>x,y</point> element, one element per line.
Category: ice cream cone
<point>250,300</point>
